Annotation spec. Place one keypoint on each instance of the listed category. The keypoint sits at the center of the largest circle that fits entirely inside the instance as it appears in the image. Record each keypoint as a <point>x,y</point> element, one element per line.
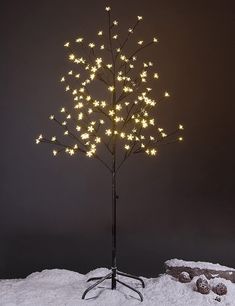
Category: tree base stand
<point>114,280</point>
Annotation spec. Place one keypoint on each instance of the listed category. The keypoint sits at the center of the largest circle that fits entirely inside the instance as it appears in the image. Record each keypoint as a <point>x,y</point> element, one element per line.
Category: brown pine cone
<point>203,286</point>
<point>220,289</point>
<point>184,277</point>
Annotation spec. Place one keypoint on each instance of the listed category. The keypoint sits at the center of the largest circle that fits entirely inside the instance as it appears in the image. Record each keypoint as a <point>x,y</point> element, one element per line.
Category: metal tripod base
<point>113,276</point>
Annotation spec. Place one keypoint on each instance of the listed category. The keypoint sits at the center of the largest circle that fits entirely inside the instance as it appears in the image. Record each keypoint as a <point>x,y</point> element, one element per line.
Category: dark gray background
<point>56,212</point>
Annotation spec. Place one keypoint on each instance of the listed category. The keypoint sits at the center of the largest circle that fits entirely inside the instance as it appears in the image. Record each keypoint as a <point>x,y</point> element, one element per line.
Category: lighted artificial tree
<point>117,114</point>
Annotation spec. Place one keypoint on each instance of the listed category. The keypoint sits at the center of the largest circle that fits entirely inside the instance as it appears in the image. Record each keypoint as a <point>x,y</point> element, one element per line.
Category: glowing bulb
<point>97,139</point>
<point>53,138</point>
<point>79,39</point>
<point>118,107</point>
<point>66,132</point>
<point>100,33</point>
<point>108,8</point>
<point>66,44</point>
<point>155,40</point>
<point>181,127</point>
<point>153,152</point>
<point>77,76</point>
<point>78,128</point>
<point>85,136</point>
<point>90,129</point>
<point>115,36</point>
<point>62,79</point>
<point>103,104</point>
<point>67,88</point>
<point>51,117</point>
<point>180,138</point>
<point>96,103</point>
<point>102,47</point>
<point>166,94</point>
<point>140,42</point>
<point>144,123</point>
<point>130,137</point>
<point>115,22</point>
<point>127,147</point>
<point>98,61</point>
<point>111,88</point>
<point>80,116</point>
<point>91,45</point>
<point>62,110</point>
<point>111,113</point>
<point>130,30</point>
<point>156,76</point>
<point>71,57</point>
<point>89,153</point>
<point>108,132</point>
<point>54,152</point>
<point>92,76</point>
<point>140,17</point>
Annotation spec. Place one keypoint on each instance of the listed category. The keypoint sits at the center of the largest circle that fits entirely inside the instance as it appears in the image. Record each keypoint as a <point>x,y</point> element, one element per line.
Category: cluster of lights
<point>136,113</point>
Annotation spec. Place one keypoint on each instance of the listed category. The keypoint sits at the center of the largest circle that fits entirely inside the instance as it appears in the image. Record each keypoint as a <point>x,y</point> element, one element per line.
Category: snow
<point>64,288</point>
<point>198,264</point>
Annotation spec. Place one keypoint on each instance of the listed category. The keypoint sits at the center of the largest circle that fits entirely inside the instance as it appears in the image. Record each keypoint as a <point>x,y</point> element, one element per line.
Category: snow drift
<point>61,287</point>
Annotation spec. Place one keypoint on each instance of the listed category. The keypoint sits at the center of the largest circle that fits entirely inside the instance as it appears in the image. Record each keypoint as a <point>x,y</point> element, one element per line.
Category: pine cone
<point>220,289</point>
<point>184,277</point>
<point>203,286</point>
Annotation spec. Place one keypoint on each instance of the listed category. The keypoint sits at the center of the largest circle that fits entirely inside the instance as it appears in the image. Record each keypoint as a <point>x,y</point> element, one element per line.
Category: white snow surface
<point>64,288</point>
<point>197,264</point>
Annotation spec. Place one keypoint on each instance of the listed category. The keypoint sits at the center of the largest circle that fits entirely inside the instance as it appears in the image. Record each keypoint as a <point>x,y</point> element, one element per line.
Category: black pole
<point>114,220</point>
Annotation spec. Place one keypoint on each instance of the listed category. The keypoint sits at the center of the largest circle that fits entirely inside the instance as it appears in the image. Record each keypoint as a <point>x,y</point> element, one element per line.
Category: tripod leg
<point>95,278</point>
<point>95,284</point>
<point>124,284</point>
<point>132,276</point>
